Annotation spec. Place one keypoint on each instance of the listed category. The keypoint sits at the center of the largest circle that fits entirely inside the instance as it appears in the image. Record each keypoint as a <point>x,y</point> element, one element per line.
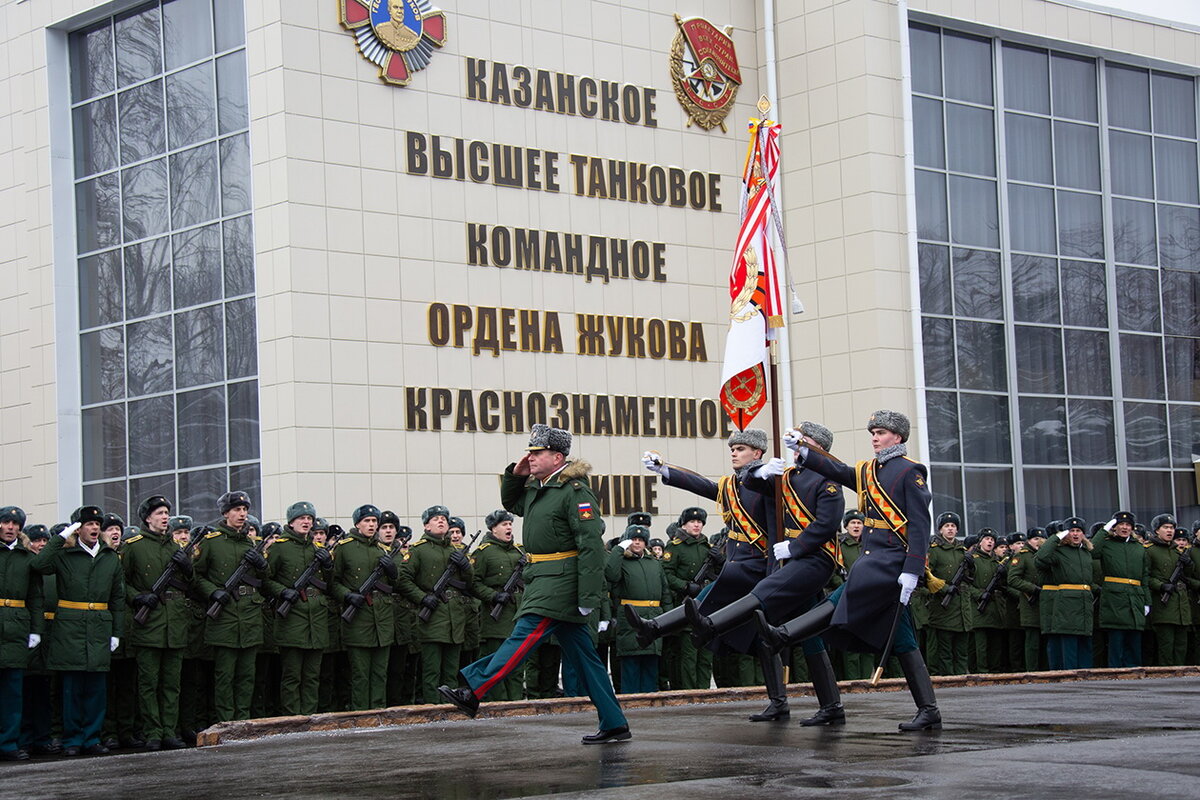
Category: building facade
<point>350,251</point>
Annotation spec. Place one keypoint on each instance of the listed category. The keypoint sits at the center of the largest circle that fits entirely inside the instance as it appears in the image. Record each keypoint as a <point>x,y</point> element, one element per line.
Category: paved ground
<point>1120,739</point>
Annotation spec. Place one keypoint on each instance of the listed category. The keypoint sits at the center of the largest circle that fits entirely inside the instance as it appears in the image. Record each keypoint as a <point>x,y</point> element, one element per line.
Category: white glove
<point>603,625</point>
<point>1145,613</point>
<point>792,439</point>
<point>783,550</point>
<point>1062,535</point>
<point>907,582</point>
<point>1112,523</point>
<point>625,544</point>
<point>113,644</point>
<point>583,612</point>
<point>34,640</point>
<point>775,466</point>
<point>67,531</point>
<point>654,463</point>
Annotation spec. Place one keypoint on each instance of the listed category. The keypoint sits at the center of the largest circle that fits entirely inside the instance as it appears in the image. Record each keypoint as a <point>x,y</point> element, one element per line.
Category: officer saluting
<point>20,626</point>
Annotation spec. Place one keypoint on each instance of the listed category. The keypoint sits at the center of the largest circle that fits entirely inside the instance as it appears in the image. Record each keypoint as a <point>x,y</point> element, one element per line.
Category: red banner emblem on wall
<point>704,71</point>
<point>398,36</point>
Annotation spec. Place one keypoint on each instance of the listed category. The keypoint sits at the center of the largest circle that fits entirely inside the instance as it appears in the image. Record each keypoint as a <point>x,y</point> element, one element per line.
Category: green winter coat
<point>1161,558</point>
<point>1122,605</point>
<point>1066,611</point>
<point>307,624</point>
<point>682,559</point>
<point>81,636</point>
<point>561,517</point>
<point>851,550</point>
<point>1024,587</point>
<point>634,580</point>
<point>37,658</point>
<point>944,558</point>
<point>494,562</point>
<point>374,625</point>
<point>240,624</point>
<point>423,565</point>
<point>985,566</point>
<point>18,582</point>
<point>143,559</point>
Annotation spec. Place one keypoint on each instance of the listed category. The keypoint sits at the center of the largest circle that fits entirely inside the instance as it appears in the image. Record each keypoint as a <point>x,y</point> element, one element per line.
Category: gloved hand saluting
<point>653,462</point>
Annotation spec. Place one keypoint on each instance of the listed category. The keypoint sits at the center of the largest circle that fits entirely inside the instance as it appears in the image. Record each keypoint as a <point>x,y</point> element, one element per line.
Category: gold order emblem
<point>704,71</point>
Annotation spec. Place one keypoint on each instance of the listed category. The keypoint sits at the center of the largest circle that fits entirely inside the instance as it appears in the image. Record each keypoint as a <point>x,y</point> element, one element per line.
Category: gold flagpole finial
<point>764,105</point>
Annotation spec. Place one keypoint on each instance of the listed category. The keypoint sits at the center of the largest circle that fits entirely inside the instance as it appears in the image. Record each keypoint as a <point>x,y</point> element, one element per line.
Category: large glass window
<point>168,345</point>
<point>1058,201</point>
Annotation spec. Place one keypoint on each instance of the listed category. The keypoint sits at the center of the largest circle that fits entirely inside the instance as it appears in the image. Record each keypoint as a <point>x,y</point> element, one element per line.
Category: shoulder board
<point>577,484</point>
<point>213,535</point>
<point>418,543</point>
<point>382,546</point>
<point>483,546</point>
<point>677,541</point>
<point>133,539</point>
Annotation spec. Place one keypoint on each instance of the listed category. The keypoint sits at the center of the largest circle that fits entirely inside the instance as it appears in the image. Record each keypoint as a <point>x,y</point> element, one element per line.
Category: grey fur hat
<point>892,421</point>
<point>751,437</point>
<point>543,437</point>
<point>818,433</point>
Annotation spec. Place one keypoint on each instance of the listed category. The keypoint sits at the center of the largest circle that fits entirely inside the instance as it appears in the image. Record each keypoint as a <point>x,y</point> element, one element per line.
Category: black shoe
<point>463,699</point>
<point>645,629</point>
<point>154,745</point>
<point>608,735</point>
<point>774,637</point>
<point>928,718</point>
<point>112,744</point>
<point>51,749</point>
<point>827,715</point>
<point>132,742</point>
<point>13,755</point>
<point>94,750</point>
<point>71,751</point>
<point>775,711</point>
<point>173,744</point>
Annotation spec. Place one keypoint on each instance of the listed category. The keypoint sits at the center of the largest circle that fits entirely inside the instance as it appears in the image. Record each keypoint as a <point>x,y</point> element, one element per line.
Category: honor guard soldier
<point>88,624</point>
<point>237,631</point>
<point>806,557</point>
<point>1124,593</point>
<point>21,625</point>
<point>950,623</point>
<point>159,643</point>
<point>303,633</point>
<point>685,556</point>
<point>637,582</point>
<point>893,492</point>
<point>1024,587</point>
<point>369,636</point>
<point>751,520</point>
<point>1171,617</point>
<point>495,561</point>
<point>564,582</point>
<point>1066,561</point>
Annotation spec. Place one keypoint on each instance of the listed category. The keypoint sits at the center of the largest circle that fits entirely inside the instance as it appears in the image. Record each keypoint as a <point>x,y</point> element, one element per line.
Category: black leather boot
<point>808,624</point>
<point>648,630</point>
<point>928,717</point>
<point>706,628</point>
<point>772,669</point>
<point>824,682</point>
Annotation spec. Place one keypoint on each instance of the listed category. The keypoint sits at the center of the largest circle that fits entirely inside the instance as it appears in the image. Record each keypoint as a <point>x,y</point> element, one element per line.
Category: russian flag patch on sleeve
<point>585,511</point>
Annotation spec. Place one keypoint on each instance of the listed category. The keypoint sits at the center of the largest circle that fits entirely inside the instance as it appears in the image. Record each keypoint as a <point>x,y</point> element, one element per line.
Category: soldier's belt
<point>1126,581</point>
<point>1083,587</point>
<point>7,603</point>
<point>641,603</point>
<point>244,591</point>
<point>758,540</point>
<point>878,524</point>
<point>536,558</point>
<point>791,533</point>
<point>170,594</point>
<point>83,606</point>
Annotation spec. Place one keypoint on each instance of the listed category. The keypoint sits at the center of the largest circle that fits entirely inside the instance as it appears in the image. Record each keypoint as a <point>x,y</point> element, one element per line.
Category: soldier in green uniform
<point>988,632</point>
<point>470,646</point>
<point>303,633</point>
<point>442,636</point>
<point>1024,585</point>
<point>42,710</point>
<point>949,625</point>
<point>684,557</point>
<point>196,678</point>
<point>636,579</point>
<point>87,625</point>
<point>495,560</point>
<point>160,642</point>
<point>122,719</point>
<point>858,666</point>
<point>237,632</point>
<point>402,660</point>
<point>1124,594</point>
<point>21,625</point>
<point>1171,619</point>
<point>368,637</point>
<point>1066,561</point>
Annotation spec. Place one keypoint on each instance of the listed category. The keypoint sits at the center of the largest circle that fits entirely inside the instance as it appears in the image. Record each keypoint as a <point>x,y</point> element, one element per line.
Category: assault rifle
<point>308,578</point>
<point>169,578</point>
<point>712,564</point>
<point>443,582</point>
<point>374,581</point>
<point>959,575</point>
<point>1185,558</point>
<point>511,587</point>
<point>241,573</point>
<point>992,585</point>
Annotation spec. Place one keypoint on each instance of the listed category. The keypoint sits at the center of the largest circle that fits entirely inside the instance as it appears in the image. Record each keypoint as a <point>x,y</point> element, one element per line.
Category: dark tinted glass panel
<point>1089,369</point>
<point>1186,506</point>
<point>938,342</point>
<point>1142,366</point>
<point>241,338</point>
<point>977,285</point>
<point>141,488</point>
<point>1039,360</point>
<point>1174,105</point>
<point>194,186</point>
<point>1175,171</point>
<point>239,256</point>
<point>100,289</point>
<point>1077,155</point>
<point>1185,434</point>
<point>1181,302</point>
<point>934,265</point>
<point>931,206</point>
<point>97,213</point>
<point>201,488</point>
<point>139,46</point>
<point>197,266</point>
<point>1080,225</point>
<point>1073,85</point>
<point>235,175</point>
<point>199,346</point>
<point>989,500</point>
<point>247,478</point>
<point>201,426</point>
<point>1095,493</point>
<point>985,429</point>
<point>1137,299</point>
<point>1131,163</point>
<point>91,61</point>
<point>191,105</point>
<point>1093,438</point>
<point>1133,232</point>
<point>981,356</point>
<point>973,216</point>
<point>109,496</point>
<point>187,31</point>
<point>943,426</point>
<point>230,24</point>
<point>946,484</point>
<point>926,53</point>
<point>1026,79</point>
<point>1043,430</point>
<point>101,363</point>
<point>1149,493</point>
<point>1128,97</point>
<point>1084,296</point>
<point>968,68</point>
<point>1028,145</point>
<point>970,139</point>
<point>1179,236</point>
<point>144,199</point>
<point>1035,289</point>
<point>95,127</point>
<point>150,358</point>
<point>1146,443</point>
<point>148,278</point>
<point>232,107</point>
<point>104,442</point>
<point>1047,494</point>
<point>1031,217</point>
<point>928,133</point>
<point>1183,371</point>
<point>243,421</point>
<point>152,439</point>
<point>143,130</point>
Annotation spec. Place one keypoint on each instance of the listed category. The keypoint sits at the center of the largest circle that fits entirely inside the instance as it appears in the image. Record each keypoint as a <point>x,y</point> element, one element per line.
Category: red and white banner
<point>756,305</point>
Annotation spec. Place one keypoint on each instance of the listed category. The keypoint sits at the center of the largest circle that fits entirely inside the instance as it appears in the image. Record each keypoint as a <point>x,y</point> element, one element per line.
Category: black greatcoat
<point>864,614</point>
<point>745,563</point>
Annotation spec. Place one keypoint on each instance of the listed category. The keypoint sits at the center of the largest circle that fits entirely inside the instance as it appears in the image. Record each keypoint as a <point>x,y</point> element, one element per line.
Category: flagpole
<point>777,431</point>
